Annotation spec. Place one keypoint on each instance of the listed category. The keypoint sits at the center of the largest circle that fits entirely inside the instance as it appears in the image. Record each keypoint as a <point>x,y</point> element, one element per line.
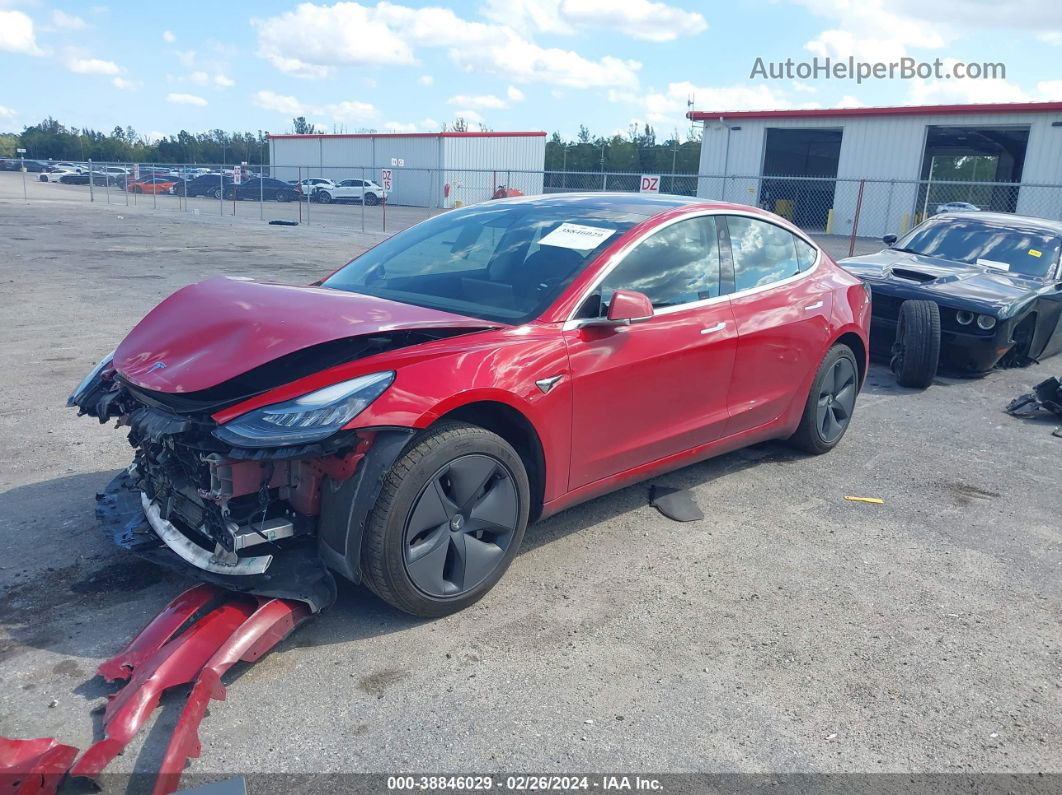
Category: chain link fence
<point>368,199</point>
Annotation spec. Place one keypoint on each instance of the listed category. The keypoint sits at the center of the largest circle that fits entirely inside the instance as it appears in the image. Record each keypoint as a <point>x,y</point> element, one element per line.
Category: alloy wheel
<point>837,396</point>
<point>460,526</point>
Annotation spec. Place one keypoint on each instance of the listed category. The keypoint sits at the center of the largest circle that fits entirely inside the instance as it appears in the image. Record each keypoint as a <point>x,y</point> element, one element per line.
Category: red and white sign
<point>386,178</point>
<point>650,183</point>
<point>237,175</point>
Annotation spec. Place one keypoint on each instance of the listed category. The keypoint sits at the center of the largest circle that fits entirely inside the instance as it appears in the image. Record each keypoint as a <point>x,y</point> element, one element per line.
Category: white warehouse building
<point>807,165</point>
<point>427,169</point>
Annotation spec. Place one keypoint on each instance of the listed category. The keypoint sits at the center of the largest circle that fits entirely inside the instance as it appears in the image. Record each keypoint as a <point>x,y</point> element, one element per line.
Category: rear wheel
<point>218,194</point>
<point>282,196</point>
<point>831,402</point>
<point>371,199</point>
<point>322,196</point>
<point>916,350</point>
<point>448,522</point>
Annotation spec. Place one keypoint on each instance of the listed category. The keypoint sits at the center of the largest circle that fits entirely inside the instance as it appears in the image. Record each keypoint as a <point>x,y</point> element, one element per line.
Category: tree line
<point>637,151</point>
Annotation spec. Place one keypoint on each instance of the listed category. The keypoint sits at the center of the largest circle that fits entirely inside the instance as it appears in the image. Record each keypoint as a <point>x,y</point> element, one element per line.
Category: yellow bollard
<point>903,223</point>
<point>829,221</point>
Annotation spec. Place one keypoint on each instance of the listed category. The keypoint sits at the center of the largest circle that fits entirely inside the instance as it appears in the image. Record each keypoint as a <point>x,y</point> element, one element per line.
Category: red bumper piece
<point>33,767</point>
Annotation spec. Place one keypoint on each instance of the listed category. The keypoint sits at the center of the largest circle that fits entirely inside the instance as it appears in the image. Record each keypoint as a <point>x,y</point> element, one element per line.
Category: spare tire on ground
<point>916,350</point>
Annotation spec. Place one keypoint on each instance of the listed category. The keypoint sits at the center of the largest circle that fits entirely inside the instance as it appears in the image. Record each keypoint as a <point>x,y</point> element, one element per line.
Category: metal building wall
<point>876,148</point>
<point>476,165</point>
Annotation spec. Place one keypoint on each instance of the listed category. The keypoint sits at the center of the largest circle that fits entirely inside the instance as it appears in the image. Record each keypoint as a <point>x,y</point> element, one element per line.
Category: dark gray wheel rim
<point>837,396</point>
<point>460,526</point>
<point>896,362</point>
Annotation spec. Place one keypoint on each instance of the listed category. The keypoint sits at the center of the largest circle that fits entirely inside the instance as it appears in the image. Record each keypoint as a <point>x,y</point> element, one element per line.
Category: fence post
<point>363,198</point>
<point>298,201</point>
<point>261,196</point>
<point>221,191</point>
<point>888,206</point>
<point>107,185</point>
<point>855,220</point>
<point>92,180</point>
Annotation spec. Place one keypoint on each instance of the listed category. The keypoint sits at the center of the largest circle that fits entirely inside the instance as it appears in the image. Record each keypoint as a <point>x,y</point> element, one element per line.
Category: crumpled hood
<point>988,287</point>
<point>209,332</point>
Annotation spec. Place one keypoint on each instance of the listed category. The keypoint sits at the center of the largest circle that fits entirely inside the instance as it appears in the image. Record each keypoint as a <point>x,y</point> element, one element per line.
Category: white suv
<point>357,190</point>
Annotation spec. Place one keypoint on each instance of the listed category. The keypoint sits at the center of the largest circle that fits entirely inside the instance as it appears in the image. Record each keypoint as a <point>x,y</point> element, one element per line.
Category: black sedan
<point>202,185</point>
<point>263,188</point>
<point>971,291</point>
<point>98,178</point>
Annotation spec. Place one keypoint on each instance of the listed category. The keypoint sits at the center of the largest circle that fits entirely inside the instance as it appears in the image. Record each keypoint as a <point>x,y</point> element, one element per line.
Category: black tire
<point>391,531</point>
<point>825,421</point>
<point>322,197</point>
<point>218,193</point>
<point>371,199</point>
<point>916,350</point>
<point>43,178</point>
<point>282,196</point>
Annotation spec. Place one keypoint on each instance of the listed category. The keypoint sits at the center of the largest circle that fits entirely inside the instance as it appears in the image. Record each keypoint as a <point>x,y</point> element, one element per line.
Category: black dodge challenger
<point>971,291</point>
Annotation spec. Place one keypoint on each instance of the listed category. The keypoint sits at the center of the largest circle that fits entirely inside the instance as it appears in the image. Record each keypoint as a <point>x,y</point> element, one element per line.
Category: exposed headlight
<point>86,382</point>
<point>964,318</point>
<point>986,322</point>
<point>305,419</point>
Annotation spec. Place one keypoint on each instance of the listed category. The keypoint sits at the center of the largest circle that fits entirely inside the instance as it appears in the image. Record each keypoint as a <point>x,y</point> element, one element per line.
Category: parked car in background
<point>154,185</point>
<point>308,186</point>
<point>98,178</point>
<point>55,174</point>
<point>957,207</point>
<point>403,420</point>
<point>352,190</point>
<point>203,185</point>
<point>263,188</point>
<point>971,290</point>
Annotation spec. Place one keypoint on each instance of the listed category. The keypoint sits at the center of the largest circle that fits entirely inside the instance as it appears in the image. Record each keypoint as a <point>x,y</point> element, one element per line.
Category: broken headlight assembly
<point>305,419</point>
<point>89,379</point>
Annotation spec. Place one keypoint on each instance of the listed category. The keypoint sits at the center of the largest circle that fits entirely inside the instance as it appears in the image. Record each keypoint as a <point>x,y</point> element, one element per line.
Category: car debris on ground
<point>1045,396</point>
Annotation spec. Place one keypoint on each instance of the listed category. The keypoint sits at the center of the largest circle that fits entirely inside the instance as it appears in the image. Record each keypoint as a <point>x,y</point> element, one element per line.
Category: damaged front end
<point>239,504</point>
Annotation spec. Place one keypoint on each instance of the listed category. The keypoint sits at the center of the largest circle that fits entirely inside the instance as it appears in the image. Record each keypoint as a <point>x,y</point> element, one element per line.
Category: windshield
<point>1018,249</point>
<point>501,262</point>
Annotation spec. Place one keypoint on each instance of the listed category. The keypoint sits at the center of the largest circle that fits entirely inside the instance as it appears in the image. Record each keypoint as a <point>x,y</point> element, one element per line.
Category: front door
<point>656,387</point>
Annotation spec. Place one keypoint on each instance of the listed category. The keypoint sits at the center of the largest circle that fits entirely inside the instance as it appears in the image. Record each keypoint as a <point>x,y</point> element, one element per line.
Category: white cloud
<point>514,94</point>
<point>224,81</point>
<point>199,78</point>
<point>16,34</point>
<point>67,21</point>
<point>186,99</point>
<point>7,113</point>
<point>470,116</point>
<point>345,111</point>
<point>668,108</point>
<point>482,101</point>
<point>91,66</point>
<point>281,103</point>
<point>311,41</point>
<point>168,36</point>
<point>639,19</point>
<point>1052,37</point>
<point>426,80</point>
<point>401,127</point>
<point>125,85</point>
<point>186,57</point>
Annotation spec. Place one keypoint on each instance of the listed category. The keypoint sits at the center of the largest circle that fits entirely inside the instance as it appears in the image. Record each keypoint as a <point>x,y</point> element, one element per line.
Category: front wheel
<point>322,197</point>
<point>218,194</point>
<point>282,196</point>
<point>448,522</point>
<point>831,402</point>
<point>916,350</point>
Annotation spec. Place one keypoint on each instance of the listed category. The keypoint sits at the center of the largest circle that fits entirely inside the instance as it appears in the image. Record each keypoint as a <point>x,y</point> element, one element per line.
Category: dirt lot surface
<point>791,630</point>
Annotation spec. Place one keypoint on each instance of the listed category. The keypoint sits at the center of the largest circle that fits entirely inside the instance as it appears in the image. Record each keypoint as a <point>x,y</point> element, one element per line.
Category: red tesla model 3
<point>402,420</point>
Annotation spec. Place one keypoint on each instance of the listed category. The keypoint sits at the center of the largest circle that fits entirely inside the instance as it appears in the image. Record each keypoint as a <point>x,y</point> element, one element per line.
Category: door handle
<point>712,329</point>
<point>810,307</point>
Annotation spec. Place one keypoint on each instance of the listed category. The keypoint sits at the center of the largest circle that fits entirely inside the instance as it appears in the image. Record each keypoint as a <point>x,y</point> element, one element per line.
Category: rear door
<point>782,314</point>
<point>657,387</point>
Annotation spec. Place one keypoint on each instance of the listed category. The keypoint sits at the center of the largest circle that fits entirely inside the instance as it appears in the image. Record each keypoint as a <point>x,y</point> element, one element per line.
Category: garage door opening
<point>789,154</point>
<point>972,154</point>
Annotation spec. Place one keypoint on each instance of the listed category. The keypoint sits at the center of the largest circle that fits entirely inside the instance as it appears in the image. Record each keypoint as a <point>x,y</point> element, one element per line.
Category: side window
<point>806,255</point>
<point>763,253</point>
<point>677,265</point>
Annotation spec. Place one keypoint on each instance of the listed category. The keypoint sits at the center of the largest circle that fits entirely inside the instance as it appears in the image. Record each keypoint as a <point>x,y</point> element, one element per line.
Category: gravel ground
<point>791,630</point>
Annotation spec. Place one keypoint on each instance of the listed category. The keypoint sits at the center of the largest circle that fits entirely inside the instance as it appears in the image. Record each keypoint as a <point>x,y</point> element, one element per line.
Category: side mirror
<point>628,306</point>
<point>888,240</point>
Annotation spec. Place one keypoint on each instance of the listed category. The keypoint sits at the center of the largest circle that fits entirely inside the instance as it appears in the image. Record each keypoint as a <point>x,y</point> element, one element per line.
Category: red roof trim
<point>908,110</point>
<point>535,134</point>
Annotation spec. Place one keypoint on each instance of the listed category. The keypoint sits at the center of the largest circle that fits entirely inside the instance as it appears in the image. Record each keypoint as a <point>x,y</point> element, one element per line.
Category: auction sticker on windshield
<point>577,236</point>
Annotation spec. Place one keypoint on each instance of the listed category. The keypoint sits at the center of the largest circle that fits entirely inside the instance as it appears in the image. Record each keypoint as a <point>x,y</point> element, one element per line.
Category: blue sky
<point>505,64</point>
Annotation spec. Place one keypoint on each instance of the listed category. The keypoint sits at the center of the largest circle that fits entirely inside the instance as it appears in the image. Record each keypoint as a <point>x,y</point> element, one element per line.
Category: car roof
<point>1006,220</point>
